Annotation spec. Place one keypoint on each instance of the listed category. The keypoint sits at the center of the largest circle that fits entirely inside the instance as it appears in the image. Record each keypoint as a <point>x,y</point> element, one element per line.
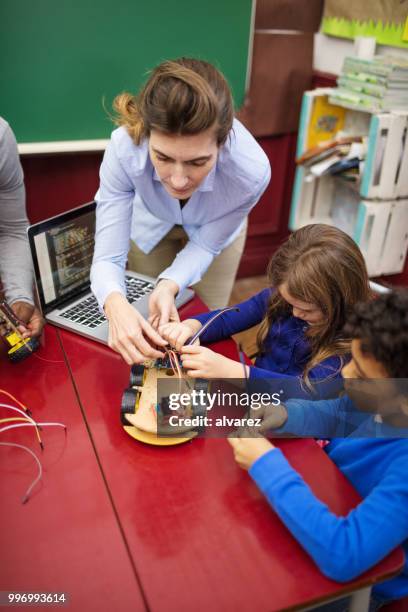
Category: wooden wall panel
<point>56,183</point>
<point>268,222</point>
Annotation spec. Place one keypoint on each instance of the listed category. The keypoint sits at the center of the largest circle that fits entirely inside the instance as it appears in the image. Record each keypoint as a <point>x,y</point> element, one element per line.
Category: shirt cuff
<point>111,282</point>
<point>26,299</point>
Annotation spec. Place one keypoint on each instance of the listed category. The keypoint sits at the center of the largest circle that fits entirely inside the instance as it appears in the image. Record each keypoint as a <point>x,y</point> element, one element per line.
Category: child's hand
<point>202,362</point>
<point>248,450</point>
<point>272,417</point>
<point>178,333</point>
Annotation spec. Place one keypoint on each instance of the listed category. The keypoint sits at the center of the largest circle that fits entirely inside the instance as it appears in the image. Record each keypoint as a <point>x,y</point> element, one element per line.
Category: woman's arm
<point>113,221</point>
<point>129,333</point>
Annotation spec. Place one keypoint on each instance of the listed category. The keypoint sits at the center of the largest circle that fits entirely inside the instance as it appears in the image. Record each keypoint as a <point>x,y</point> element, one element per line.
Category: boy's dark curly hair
<point>382,327</point>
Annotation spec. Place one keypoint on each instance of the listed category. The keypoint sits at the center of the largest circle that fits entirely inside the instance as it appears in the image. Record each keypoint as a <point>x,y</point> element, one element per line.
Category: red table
<point>200,533</point>
<point>67,538</point>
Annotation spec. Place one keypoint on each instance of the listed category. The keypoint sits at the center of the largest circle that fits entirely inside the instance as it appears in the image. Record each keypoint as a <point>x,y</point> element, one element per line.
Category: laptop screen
<point>62,250</point>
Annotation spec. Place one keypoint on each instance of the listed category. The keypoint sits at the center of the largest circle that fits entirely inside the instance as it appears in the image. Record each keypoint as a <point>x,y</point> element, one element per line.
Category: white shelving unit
<point>373,211</point>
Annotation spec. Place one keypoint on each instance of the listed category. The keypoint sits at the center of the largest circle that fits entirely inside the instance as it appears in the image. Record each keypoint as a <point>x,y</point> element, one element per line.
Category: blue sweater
<point>344,547</point>
<point>287,349</point>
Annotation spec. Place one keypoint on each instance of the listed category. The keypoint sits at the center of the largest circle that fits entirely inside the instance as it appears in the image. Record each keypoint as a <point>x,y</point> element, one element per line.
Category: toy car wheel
<point>128,403</point>
<point>137,375</point>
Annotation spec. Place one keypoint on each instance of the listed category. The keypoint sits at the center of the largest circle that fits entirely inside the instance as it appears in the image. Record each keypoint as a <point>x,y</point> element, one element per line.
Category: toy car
<point>145,416</point>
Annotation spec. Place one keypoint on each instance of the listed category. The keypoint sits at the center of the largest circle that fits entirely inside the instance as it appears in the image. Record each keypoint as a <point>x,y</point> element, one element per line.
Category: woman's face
<point>310,313</point>
<point>182,162</point>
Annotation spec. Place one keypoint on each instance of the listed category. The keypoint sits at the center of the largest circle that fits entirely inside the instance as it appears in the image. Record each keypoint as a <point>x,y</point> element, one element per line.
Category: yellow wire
<point>24,408</point>
<point>15,419</point>
<point>22,419</point>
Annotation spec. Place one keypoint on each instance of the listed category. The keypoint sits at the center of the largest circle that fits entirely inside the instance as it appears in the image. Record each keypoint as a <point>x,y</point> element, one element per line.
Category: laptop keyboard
<point>87,311</point>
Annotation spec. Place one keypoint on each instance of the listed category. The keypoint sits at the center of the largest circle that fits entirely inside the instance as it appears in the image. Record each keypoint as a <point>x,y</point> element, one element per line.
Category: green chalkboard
<point>61,58</point>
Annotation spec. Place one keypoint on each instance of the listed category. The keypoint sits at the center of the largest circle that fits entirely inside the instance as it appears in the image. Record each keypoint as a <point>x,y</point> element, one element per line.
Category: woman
<point>179,178</point>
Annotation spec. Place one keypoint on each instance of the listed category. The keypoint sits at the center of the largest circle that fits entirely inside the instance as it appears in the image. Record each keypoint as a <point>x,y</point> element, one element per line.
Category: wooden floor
<point>243,289</point>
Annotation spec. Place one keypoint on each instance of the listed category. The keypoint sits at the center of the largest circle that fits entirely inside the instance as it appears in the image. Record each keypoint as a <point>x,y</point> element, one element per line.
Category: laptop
<point>62,249</point>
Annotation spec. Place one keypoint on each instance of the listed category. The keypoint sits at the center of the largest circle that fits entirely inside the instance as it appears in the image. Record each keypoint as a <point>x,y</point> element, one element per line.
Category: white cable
<point>30,418</point>
<point>18,410</point>
<point>210,320</point>
<point>32,485</point>
<point>52,424</point>
<point>32,425</point>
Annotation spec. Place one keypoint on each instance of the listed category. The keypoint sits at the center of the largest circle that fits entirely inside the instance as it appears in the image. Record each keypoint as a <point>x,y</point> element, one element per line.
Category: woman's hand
<point>248,450</point>
<point>130,334</point>
<point>30,316</point>
<point>162,307</point>
<point>177,334</point>
<point>202,362</point>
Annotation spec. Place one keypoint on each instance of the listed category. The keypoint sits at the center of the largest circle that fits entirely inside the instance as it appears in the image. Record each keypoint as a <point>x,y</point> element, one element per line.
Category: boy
<point>373,453</point>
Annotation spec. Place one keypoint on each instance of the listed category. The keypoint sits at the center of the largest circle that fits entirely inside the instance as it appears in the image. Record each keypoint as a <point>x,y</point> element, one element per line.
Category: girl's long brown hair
<point>182,96</point>
<point>321,265</point>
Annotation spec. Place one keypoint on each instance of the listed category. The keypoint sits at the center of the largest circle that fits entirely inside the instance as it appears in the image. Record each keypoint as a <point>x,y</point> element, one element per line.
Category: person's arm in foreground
<point>342,547</point>
<point>15,260</point>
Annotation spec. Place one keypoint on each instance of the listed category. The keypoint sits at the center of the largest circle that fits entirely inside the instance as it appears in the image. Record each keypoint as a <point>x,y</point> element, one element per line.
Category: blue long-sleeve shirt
<point>344,547</point>
<point>287,349</point>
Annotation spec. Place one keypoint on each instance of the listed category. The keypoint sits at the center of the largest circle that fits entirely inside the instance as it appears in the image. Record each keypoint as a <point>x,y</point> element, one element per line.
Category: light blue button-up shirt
<point>133,203</point>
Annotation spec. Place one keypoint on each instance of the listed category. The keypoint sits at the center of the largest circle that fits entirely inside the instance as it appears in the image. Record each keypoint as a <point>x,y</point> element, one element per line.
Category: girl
<point>178,178</point>
<point>316,277</point>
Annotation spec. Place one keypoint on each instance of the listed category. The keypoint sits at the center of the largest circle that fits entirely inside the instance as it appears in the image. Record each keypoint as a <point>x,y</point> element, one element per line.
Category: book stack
<point>339,157</point>
<point>374,86</point>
